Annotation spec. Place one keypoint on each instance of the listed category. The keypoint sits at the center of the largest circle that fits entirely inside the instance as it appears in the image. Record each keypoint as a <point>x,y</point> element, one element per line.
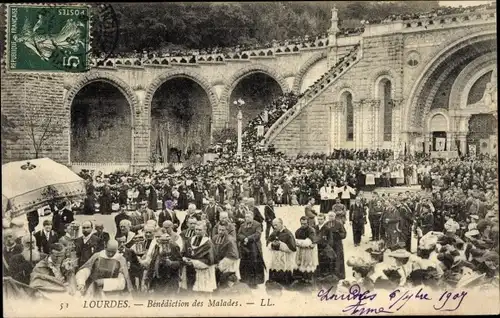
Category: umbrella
<point>30,185</point>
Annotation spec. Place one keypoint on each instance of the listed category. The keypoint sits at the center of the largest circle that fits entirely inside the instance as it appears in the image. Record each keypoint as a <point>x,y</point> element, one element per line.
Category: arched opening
<point>483,130</point>
<point>477,90</point>
<point>180,121</point>
<point>257,90</point>
<point>101,126</point>
<point>433,89</point>
<point>349,115</point>
<point>438,127</point>
<point>386,103</point>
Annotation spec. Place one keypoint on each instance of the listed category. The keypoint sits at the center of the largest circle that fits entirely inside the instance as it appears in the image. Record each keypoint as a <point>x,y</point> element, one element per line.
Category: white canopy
<point>29,185</point>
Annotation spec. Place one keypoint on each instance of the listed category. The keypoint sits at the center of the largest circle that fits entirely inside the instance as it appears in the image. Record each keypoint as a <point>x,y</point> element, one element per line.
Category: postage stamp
<point>43,38</point>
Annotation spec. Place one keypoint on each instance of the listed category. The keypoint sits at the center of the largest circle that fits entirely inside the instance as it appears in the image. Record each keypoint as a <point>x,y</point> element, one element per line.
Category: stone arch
<point>413,112</point>
<point>440,80</point>
<point>299,77</point>
<point>194,76</point>
<point>482,64</point>
<point>470,82</point>
<point>438,112</point>
<point>240,74</point>
<point>172,74</point>
<point>383,74</point>
<point>344,89</point>
<point>99,76</point>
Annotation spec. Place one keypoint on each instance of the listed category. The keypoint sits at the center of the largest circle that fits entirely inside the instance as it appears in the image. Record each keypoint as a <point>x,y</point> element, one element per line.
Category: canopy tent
<point>30,185</point>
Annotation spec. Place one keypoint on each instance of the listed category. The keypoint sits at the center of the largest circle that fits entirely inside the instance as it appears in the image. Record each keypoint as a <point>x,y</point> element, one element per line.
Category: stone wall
<point>320,127</point>
<point>44,94</point>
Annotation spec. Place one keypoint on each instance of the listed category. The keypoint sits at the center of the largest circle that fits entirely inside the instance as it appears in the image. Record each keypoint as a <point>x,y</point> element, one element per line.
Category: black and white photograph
<point>305,158</point>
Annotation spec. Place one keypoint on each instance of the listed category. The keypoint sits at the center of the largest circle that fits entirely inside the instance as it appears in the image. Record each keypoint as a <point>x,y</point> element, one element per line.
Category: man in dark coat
<point>61,218</point>
<point>239,214</point>
<point>191,213</point>
<point>105,201</point>
<point>86,245</point>
<point>405,223</point>
<point>101,235</point>
<point>89,204</point>
<point>213,211</point>
<point>10,248</point>
<point>357,218</point>
<point>153,198</point>
<point>310,213</point>
<point>269,216</point>
<point>257,216</point>
<point>168,214</point>
<point>338,234</point>
<point>221,188</point>
<point>326,253</point>
<point>122,215</point>
<point>282,246</point>
<point>189,232</point>
<point>134,266</point>
<point>198,194</point>
<point>251,261</point>
<point>45,237</point>
<point>375,211</point>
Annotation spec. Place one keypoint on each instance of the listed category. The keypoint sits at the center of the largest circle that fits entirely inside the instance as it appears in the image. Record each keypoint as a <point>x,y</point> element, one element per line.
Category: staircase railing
<point>328,78</point>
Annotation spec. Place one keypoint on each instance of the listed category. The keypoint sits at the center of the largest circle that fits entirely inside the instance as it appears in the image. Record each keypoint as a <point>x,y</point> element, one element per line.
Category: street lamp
<point>239,103</point>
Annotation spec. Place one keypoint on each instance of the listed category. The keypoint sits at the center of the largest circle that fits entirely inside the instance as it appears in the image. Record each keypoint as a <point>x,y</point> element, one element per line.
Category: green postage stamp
<point>48,38</point>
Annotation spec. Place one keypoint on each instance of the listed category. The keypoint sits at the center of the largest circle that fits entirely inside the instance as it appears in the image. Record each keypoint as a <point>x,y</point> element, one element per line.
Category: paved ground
<point>290,216</point>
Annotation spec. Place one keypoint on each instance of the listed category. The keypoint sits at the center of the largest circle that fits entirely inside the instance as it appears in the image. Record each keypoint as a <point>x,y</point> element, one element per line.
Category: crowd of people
<point>300,41</point>
<point>217,246</point>
<point>436,13</point>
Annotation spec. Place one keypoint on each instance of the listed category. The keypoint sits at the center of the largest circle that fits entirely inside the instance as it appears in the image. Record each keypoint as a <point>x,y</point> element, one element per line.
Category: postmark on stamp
<point>53,38</point>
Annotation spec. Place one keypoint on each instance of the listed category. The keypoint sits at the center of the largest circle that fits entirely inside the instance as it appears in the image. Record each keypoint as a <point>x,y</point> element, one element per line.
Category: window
<point>385,93</point>
<point>349,116</point>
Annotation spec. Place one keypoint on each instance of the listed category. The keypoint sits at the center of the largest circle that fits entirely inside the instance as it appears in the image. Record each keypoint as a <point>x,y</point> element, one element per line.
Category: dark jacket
<point>42,243</point>
<point>85,250</point>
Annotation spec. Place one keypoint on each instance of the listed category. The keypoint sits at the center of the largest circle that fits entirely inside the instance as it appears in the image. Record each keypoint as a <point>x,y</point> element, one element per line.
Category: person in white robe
<point>105,274</point>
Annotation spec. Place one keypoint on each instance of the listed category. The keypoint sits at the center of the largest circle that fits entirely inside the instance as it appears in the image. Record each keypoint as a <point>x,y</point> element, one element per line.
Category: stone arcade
<point>418,83</point>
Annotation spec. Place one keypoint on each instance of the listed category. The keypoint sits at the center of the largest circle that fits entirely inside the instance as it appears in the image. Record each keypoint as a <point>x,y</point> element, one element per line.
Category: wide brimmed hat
<point>469,280</point>
<point>471,233</point>
<point>400,254</point>
<point>428,242</point>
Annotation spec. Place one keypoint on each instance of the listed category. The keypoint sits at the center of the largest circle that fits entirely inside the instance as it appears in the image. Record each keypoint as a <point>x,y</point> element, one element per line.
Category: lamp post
<point>240,102</point>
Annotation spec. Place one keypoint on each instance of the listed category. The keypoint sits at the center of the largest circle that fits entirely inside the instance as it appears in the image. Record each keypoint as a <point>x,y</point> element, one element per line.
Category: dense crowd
<point>175,51</point>
<point>438,12</point>
<point>217,246</point>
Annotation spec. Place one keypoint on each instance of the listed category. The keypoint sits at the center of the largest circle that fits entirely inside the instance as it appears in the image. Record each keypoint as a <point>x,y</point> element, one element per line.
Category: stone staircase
<point>326,80</point>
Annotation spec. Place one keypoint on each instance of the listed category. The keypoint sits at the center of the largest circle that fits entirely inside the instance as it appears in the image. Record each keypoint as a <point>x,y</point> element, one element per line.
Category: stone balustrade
<point>440,21</point>
<point>314,90</point>
<point>211,58</point>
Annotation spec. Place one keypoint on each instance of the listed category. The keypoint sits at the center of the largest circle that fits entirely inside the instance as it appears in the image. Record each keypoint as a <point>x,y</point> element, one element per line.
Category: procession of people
<point>221,243</point>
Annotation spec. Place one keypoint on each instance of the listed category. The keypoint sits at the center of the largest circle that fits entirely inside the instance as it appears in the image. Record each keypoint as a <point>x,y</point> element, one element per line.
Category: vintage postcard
<point>205,159</point>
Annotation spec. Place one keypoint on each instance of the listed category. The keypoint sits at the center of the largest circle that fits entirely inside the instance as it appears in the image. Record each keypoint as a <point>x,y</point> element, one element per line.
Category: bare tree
<point>40,126</point>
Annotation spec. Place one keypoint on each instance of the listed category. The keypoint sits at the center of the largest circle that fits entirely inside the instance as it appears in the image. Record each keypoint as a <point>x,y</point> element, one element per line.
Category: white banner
<point>260,131</point>
<point>484,146</point>
<point>472,150</point>
<point>440,144</point>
